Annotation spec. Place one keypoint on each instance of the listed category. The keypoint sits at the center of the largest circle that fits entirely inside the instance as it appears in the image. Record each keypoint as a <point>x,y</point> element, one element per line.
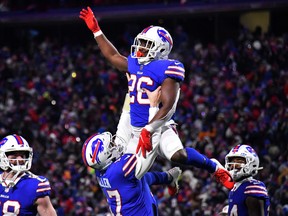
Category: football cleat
<point>222,176</point>
<point>175,174</point>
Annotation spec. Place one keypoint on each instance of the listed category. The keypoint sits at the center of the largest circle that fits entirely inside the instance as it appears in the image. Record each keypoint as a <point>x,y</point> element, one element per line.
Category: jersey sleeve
<point>156,178</point>
<point>257,189</point>
<point>175,70</point>
<point>129,162</point>
<point>43,187</point>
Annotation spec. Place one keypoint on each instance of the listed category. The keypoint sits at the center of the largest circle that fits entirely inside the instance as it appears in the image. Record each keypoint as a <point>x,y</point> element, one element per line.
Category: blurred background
<point>56,90</point>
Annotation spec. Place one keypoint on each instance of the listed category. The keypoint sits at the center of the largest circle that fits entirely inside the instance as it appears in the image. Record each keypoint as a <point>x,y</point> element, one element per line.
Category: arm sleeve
<point>124,129</point>
<point>156,178</point>
<point>152,112</point>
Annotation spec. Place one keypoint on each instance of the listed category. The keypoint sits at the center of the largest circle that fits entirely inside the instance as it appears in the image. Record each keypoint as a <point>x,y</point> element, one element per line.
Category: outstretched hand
<point>88,16</point>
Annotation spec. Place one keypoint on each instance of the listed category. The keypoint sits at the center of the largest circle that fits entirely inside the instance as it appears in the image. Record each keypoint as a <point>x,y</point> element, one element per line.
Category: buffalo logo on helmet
<point>3,141</point>
<point>165,36</point>
<point>97,147</point>
<point>251,150</point>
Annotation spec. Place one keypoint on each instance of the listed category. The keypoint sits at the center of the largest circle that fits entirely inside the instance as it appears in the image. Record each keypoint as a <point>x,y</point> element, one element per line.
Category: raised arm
<point>107,48</point>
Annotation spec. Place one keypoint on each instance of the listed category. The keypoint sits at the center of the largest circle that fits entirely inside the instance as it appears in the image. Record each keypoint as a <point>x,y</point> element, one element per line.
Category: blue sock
<point>198,160</point>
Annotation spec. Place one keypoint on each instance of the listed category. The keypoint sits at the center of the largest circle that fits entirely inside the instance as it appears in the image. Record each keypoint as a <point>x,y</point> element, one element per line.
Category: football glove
<point>88,16</point>
<point>144,143</point>
<point>222,175</point>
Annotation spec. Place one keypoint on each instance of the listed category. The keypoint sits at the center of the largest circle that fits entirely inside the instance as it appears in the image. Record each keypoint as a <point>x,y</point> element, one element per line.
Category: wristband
<point>98,33</point>
<point>149,128</point>
<point>152,112</point>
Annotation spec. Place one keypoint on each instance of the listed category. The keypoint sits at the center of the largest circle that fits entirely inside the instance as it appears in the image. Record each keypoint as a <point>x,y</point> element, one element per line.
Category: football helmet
<point>15,143</point>
<point>240,171</point>
<point>153,43</point>
<point>99,151</point>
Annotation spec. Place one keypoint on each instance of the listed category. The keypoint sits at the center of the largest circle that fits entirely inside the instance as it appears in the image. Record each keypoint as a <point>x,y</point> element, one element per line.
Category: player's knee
<point>179,156</point>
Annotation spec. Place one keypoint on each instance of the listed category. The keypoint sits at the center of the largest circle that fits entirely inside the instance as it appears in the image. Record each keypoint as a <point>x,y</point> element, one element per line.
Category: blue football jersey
<point>20,199</point>
<point>126,195</point>
<point>238,195</point>
<point>149,76</point>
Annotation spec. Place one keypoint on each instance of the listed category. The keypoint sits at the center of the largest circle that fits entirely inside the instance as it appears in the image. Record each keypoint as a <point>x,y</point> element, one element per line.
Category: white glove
<point>174,175</point>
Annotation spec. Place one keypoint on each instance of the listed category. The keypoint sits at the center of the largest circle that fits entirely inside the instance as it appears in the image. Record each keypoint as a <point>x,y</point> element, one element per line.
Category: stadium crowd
<point>57,94</point>
<point>44,5</point>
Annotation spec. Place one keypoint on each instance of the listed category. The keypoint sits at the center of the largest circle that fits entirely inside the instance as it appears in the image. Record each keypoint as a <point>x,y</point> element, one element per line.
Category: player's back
<point>20,199</point>
<point>126,194</point>
<point>241,191</point>
<point>149,76</point>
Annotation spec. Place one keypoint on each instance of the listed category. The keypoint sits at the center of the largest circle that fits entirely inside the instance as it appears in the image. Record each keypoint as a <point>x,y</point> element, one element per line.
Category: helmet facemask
<point>238,170</point>
<point>100,150</point>
<point>19,162</point>
<point>152,43</point>
<point>144,50</point>
<point>242,162</point>
<point>120,146</point>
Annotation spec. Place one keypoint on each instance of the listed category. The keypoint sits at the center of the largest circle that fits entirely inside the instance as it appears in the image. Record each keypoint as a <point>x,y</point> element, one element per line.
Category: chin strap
<point>11,182</point>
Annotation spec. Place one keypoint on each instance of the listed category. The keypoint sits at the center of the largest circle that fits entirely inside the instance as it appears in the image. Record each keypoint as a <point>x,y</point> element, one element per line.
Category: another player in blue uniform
<point>149,68</point>
<point>249,197</point>
<point>115,171</point>
<point>21,192</point>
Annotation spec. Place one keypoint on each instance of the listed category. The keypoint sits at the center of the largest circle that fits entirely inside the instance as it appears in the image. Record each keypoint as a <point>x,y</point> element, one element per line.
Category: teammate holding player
<point>116,172</point>
<point>149,68</point>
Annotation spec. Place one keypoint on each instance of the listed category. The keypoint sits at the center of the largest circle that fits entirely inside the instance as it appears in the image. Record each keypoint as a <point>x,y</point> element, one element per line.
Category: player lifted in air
<point>150,67</point>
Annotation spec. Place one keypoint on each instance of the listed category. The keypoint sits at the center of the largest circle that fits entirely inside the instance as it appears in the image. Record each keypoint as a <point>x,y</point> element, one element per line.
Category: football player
<point>126,193</point>
<point>249,197</point>
<point>21,192</point>
<point>115,171</point>
<point>149,68</point>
